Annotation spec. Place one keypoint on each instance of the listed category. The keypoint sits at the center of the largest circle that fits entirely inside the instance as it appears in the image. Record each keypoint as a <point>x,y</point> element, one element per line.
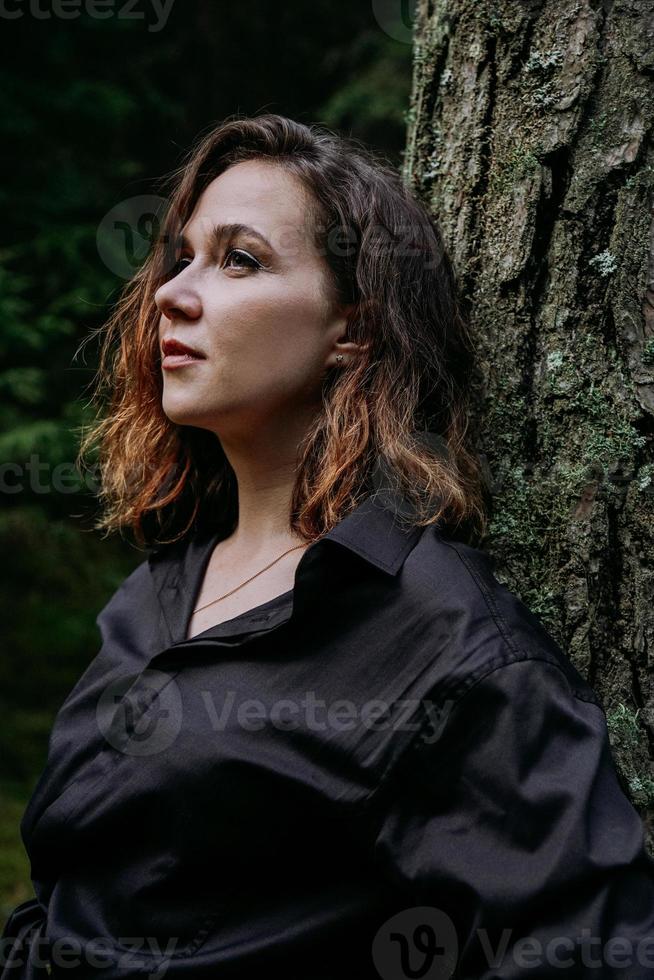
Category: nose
<point>177,300</point>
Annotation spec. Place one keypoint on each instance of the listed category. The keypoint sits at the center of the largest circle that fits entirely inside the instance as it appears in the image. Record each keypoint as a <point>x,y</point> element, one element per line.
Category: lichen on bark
<point>530,138</point>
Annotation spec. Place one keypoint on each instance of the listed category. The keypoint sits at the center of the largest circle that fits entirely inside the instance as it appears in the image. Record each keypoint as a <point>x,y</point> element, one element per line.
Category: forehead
<point>258,193</point>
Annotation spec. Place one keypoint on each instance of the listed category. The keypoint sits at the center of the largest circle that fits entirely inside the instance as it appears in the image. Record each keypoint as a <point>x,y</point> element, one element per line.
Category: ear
<point>348,311</point>
<point>350,349</point>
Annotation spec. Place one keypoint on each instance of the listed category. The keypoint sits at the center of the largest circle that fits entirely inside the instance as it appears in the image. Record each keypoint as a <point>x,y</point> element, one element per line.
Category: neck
<point>265,471</point>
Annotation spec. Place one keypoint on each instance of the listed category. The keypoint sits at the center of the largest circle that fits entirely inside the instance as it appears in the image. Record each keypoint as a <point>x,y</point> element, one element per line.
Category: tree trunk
<point>530,139</point>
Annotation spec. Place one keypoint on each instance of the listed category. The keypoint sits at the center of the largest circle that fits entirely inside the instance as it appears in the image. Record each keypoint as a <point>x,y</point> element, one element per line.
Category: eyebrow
<point>230,230</point>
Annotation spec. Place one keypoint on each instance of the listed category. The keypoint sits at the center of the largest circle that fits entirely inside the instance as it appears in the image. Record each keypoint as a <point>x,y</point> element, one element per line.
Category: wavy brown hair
<point>386,255</point>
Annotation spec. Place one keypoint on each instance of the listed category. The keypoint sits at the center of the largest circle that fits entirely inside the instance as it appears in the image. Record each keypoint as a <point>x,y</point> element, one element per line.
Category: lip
<point>177,354</point>
<point>180,360</point>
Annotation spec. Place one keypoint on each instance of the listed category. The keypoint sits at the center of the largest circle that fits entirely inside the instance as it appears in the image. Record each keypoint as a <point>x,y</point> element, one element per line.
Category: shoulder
<point>480,625</point>
<point>131,589</point>
<point>132,609</point>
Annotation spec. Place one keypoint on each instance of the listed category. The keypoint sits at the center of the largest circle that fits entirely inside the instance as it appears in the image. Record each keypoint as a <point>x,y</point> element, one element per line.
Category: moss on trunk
<point>530,138</point>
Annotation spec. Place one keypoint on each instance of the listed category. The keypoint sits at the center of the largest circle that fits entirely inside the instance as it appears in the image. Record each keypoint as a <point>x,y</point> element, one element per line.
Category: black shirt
<point>391,770</point>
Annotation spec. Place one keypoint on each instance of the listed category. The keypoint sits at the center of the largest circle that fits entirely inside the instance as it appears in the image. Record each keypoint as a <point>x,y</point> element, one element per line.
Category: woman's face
<point>255,302</point>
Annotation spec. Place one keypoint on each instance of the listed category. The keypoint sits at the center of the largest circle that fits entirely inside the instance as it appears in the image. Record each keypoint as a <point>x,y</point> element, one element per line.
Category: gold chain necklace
<point>199,608</point>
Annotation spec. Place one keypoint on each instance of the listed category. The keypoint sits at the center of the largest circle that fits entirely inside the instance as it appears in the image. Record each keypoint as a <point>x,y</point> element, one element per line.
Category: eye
<point>178,267</point>
<point>239,260</point>
<point>249,260</point>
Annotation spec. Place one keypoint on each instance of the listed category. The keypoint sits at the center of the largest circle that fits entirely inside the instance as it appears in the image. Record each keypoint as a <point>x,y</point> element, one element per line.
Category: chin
<point>183,414</point>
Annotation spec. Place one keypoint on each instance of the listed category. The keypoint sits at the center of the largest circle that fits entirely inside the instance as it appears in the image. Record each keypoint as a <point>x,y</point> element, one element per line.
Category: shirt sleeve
<point>511,841</point>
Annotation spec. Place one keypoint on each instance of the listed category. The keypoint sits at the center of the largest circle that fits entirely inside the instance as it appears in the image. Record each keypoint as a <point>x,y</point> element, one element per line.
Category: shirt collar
<point>374,532</point>
<point>378,529</point>
<point>371,530</point>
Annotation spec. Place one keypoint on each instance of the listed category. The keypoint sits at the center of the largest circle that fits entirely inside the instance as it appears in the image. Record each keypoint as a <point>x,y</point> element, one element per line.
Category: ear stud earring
<point>339,359</point>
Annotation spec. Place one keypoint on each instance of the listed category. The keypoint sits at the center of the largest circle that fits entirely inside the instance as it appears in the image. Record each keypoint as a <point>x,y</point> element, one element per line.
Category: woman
<point>320,739</point>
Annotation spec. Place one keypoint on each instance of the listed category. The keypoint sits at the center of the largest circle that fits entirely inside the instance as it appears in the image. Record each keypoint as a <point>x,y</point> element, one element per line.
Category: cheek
<point>278,329</point>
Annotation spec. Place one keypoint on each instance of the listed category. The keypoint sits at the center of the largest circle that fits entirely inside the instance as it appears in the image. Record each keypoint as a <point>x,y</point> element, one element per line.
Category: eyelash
<point>254,263</point>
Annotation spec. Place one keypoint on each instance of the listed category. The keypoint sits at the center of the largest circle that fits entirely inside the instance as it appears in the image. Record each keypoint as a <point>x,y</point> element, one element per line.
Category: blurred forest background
<point>94,111</point>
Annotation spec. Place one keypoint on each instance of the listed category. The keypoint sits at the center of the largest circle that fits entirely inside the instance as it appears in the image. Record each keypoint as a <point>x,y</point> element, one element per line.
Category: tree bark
<point>530,139</point>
